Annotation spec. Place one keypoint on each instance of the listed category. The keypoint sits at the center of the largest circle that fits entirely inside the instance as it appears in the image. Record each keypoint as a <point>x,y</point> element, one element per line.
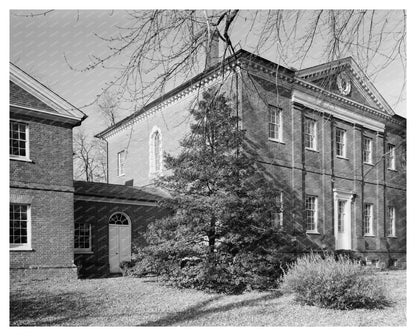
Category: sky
<point>48,46</point>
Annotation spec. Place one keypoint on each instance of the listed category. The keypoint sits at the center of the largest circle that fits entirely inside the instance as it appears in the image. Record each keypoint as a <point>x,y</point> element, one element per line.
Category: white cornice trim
<point>57,116</point>
<point>44,94</point>
<point>203,83</point>
<point>319,104</point>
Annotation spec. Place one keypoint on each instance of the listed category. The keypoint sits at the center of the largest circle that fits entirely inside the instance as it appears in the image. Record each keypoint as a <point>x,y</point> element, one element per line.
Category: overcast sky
<point>38,45</point>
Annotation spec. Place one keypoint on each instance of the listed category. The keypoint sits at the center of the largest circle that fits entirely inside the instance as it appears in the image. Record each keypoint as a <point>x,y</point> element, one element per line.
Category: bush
<point>333,282</point>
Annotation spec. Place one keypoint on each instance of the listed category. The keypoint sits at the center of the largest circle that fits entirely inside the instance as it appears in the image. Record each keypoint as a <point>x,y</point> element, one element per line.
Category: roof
<point>28,93</point>
<point>196,79</point>
<point>116,191</point>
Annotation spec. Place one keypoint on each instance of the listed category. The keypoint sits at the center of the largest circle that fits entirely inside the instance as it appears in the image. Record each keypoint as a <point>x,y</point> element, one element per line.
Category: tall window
<point>310,133</point>
<point>19,226</point>
<point>368,150</point>
<point>391,157</point>
<point>155,158</point>
<point>341,215</point>
<point>311,213</point>
<point>391,222</point>
<point>340,142</point>
<point>121,161</point>
<point>277,216</point>
<point>275,117</point>
<point>82,239</point>
<point>19,142</point>
<point>368,219</point>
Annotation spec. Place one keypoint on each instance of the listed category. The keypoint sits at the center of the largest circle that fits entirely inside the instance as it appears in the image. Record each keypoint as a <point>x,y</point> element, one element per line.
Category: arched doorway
<point>119,240</point>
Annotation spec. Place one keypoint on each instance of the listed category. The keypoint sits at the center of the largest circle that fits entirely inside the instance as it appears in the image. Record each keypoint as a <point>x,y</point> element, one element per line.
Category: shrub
<point>337,283</point>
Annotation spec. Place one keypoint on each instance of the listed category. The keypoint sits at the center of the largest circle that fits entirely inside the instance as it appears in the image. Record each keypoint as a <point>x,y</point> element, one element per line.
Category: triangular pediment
<point>28,93</point>
<point>345,78</point>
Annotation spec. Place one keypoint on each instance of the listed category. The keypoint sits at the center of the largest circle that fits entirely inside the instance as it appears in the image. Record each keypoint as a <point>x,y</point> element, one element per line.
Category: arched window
<point>119,218</point>
<point>155,147</point>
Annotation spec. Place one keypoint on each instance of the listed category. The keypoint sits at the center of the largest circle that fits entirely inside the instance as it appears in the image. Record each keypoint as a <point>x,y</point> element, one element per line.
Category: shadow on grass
<point>196,311</point>
<point>46,309</point>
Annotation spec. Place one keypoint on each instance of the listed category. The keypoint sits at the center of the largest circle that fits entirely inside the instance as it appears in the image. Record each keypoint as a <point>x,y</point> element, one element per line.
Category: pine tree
<point>221,202</point>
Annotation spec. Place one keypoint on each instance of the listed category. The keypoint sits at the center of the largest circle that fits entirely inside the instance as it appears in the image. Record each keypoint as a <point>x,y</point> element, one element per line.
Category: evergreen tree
<point>221,203</point>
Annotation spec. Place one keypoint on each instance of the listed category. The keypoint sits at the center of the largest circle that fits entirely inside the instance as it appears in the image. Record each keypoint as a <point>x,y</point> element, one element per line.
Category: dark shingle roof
<point>118,191</point>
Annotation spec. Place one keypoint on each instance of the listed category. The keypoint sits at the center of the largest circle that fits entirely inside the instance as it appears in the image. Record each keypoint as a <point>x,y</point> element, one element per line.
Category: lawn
<point>144,302</point>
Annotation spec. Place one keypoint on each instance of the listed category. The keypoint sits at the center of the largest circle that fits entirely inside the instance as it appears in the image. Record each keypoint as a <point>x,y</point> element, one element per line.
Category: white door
<point>119,246</point>
<point>342,221</point>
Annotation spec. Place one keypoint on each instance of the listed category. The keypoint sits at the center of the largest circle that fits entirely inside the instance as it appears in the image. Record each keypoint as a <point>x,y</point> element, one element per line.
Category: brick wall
<point>97,214</point>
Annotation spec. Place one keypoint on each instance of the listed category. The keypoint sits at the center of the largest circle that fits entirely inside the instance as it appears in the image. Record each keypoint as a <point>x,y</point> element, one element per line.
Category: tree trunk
<point>211,241</point>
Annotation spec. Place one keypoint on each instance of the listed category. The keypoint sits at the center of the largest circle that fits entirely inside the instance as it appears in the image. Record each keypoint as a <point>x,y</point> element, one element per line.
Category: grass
<point>144,302</point>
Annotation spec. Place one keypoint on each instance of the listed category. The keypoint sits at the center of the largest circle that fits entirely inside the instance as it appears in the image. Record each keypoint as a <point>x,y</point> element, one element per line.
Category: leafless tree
<point>108,105</point>
<point>164,45</point>
<point>89,158</point>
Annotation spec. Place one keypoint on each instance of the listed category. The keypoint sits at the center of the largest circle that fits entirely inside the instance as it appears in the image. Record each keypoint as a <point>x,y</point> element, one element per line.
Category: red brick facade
<point>42,180</point>
<point>254,87</point>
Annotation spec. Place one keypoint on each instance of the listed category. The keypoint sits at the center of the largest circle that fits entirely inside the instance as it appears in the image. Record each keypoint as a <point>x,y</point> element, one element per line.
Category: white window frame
<point>277,217</point>
<point>27,147</point>
<point>314,211</point>
<point>343,142</point>
<point>368,150</point>
<point>152,153</point>
<point>368,219</point>
<point>391,224</point>
<point>121,162</point>
<point>84,250</point>
<point>28,245</point>
<point>310,122</point>
<point>391,156</point>
<point>274,115</point>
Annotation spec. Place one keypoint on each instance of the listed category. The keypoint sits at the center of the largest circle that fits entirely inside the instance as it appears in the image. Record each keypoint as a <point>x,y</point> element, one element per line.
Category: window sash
<point>391,157</point>
<point>82,237</point>
<point>368,150</point>
<point>368,219</point>
<point>121,158</point>
<point>391,224</point>
<point>19,226</point>
<point>276,217</point>
<point>310,133</point>
<point>274,123</point>
<point>18,140</point>
<point>156,149</point>
<point>340,142</point>
<point>311,213</point>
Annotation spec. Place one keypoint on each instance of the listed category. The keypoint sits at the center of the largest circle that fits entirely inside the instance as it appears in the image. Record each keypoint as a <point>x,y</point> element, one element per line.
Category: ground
<point>145,302</point>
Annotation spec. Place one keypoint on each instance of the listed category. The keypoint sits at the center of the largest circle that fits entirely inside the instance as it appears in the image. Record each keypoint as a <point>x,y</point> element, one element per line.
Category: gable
<point>345,78</point>
<point>34,97</point>
<point>21,97</point>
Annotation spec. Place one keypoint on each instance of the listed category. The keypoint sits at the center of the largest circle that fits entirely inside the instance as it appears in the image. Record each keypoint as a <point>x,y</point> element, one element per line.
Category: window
<point>121,161</point>
<point>341,216</point>
<point>82,239</point>
<point>277,216</point>
<point>19,226</point>
<point>155,152</point>
<point>391,222</point>
<point>19,140</point>
<point>311,213</point>
<point>368,219</point>
<point>391,157</point>
<point>340,142</point>
<point>368,150</point>
<point>119,219</point>
<point>275,115</point>
<point>310,133</point>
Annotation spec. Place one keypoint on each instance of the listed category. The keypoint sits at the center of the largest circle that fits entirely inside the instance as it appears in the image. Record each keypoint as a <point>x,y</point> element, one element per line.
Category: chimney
<point>213,50</point>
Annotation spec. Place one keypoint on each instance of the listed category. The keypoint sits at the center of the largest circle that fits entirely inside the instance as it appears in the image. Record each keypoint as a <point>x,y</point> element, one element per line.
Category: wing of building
<point>333,145</point>
<point>41,179</point>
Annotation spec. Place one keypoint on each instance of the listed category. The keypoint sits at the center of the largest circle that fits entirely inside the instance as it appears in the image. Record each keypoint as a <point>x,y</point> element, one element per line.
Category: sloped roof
<point>122,192</point>
<point>28,93</point>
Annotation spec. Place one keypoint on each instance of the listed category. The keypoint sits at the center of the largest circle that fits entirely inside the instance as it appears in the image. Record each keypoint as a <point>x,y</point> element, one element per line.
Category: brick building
<point>41,178</point>
<point>325,136</point>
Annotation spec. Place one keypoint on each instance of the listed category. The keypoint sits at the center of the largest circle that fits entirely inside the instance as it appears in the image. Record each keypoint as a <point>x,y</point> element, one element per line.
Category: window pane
<point>17,142</point>
<point>18,224</point>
